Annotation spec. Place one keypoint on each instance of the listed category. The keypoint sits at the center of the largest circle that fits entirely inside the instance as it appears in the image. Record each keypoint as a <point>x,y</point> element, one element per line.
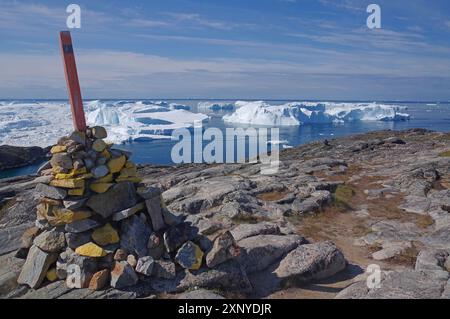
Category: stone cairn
<point>99,226</point>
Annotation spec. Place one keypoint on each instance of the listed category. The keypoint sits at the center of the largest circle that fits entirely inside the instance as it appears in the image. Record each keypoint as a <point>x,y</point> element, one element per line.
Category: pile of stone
<point>98,225</point>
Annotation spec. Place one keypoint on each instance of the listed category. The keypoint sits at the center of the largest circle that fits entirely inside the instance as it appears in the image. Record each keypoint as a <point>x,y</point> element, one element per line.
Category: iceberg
<point>42,123</point>
<point>298,113</point>
<point>214,106</point>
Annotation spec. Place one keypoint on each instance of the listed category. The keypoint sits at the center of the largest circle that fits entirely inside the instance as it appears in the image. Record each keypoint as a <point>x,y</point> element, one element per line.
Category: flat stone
<point>80,226</point>
<point>99,280</point>
<point>224,248</point>
<point>134,235</point>
<point>123,275</point>
<point>259,252</point>
<point>75,240</point>
<point>74,204</point>
<point>119,197</point>
<point>10,238</point>
<point>248,230</point>
<point>90,250</point>
<point>100,188</point>
<point>177,235</point>
<point>128,212</point>
<point>391,250</point>
<point>62,160</point>
<point>51,241</point>
<point>154,210</point>
<point>50,191</point>
<point>145,265</point>
<point>36,267</point>
<point>105,235</point>
<point>99,145</point>
<point>164,269</point>
<point>189,256</point>
<point>311,262</point>
<point>115,165</point>
<point>68,183</point>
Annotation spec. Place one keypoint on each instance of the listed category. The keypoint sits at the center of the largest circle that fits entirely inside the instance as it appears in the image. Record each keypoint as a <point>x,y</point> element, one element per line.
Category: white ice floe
<point>298,113</point>
<point>42,123</point>
<point>215,106</point>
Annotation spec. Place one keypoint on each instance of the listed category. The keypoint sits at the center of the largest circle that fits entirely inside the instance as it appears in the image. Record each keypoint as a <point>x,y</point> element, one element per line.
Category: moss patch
<point>343,195</point>
<point>445,154</point>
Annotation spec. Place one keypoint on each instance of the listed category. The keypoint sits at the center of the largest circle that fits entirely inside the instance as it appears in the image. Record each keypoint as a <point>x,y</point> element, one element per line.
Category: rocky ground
<point>309,231</point>
<point>14,156</point>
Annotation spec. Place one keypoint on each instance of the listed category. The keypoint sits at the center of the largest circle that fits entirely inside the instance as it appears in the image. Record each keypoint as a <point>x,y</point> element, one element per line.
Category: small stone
<point>80,226</point>
<point>154,211</point>
<point>58,149</point>
<point>62,160</point>
<point>164,269</point>
<point>74,204</point>
<point>155,246</point>
<point>36,266</point>
<point>51,241</point>
<point>61,216</point>
<point>99,132</point>
<point>51,275</point>
<point>78,137</point>
<point>115,165</point>
<point>50,191</point>
<point>128,212</point>
<point>119,197</point>
<point>105,235</point>
<point>100,188</point>
<point>76,191</point>
<point>120,255</point>
<point>145,265</point>
<point>61,263</point>
<point>68,183</point>
<point>99,280</point>
<point>99,145</point>
<point>100,171</point>
<point>131,260</point>
<point>75,240</point>
<point>78,164</point>
<point>189,256</point>
<point>89,163</point>
<point>134,235</point>
<point>101,161</point>
<point>90,250</point>
<point>123,275</point>
<point>177,235</point>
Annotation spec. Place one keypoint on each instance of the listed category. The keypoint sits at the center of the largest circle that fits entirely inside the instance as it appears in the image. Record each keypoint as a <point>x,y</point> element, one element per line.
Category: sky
<point>233,49</point>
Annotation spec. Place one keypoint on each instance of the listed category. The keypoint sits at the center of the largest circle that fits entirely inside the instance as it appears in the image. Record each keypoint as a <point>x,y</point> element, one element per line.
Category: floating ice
<point>298,113</point>
<point>42,123</point>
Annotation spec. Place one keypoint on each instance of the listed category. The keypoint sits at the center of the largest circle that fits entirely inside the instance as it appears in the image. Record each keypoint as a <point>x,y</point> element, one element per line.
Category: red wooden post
<point>73,86</point>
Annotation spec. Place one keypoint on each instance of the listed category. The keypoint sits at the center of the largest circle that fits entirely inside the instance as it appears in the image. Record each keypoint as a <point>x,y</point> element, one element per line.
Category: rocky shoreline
<point>15,156</point>
<point>310,231</point>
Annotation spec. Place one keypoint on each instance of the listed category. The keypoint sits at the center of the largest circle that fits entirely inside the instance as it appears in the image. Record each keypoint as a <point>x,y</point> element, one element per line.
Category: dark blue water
<point>433,117</point>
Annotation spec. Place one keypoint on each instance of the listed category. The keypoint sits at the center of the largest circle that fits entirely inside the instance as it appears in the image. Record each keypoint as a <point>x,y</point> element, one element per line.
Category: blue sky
<point>279,49</point>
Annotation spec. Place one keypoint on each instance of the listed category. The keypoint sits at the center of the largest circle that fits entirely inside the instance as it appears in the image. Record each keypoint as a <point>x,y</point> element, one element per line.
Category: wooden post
<point>73,86</point>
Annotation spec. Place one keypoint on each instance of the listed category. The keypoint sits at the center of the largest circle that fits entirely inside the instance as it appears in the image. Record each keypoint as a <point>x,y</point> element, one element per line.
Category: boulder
<point>248,230</point>
<point>51,241</point>
<point>50,191</point>
<point>135,233</point>
<point>36,267</point>
<point>259,252</point>
<point>62,160</point>
<point>189,256</point>
<point>224,248</point>
<point>123,275</point>
<point>119,197</point>
<point>145,265</point>
<point>311,262</point>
